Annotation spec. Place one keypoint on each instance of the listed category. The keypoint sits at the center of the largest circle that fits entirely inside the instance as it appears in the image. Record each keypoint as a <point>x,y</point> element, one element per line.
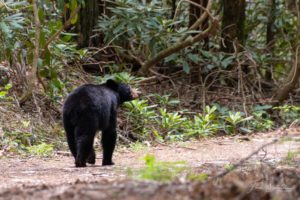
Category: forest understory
<point>218,115</point>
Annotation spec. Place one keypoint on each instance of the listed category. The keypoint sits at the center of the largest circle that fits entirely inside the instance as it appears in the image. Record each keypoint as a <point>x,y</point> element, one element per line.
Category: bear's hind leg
<point>92,157</point>
<point>84,141</point>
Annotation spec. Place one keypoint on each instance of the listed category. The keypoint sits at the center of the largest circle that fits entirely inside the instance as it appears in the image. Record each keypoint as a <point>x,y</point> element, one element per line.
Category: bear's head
<point>126,93</point>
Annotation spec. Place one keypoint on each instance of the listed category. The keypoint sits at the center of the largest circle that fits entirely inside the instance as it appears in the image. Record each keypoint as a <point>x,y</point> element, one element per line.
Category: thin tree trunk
<point>194,12</point>
<point>232,24</point>
<point>294,75</point>
<point>32,76</point>
<point>88,17</point>
<point>270,35</point>
<point>173,8</point>
<point>291,81</point>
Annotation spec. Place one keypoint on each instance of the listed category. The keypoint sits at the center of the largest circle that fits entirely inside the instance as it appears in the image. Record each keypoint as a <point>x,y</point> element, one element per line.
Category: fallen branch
<point>242,161</point>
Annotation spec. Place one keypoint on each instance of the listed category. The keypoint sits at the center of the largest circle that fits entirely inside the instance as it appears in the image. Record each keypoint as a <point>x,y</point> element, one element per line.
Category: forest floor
<point>272,172</point>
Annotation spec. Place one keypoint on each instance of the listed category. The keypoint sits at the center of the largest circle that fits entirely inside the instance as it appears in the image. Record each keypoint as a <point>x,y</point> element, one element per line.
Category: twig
<point>2,4</point>
<point>108,44</point>
<point>124,139</point>
<point>63,153</point>
<point>146,80</point>
<point>134,53</point>
<point>163,76</point>
<point>197,5</point>
<point>158,74</point>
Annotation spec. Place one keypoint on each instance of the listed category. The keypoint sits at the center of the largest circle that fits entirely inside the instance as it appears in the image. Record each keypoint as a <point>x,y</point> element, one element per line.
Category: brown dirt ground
<point>57,178</point>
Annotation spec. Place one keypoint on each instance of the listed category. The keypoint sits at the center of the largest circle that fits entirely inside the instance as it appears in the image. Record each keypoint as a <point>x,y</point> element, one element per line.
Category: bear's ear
<point>112,84</point>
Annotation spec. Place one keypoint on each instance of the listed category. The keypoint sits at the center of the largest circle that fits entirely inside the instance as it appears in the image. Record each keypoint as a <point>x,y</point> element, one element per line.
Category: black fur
<point>91,108</point>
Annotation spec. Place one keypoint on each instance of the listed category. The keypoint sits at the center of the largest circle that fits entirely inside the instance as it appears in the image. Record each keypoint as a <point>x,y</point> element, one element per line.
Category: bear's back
<point>97,101</point>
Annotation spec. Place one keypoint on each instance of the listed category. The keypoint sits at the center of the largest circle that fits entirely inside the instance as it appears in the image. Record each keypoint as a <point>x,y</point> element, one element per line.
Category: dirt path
<point>60,170</point>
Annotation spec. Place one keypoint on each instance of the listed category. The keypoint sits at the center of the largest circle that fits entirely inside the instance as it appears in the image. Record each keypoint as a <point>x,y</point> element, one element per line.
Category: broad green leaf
<point>41,15</point>
<point>8,86</point>
<point>3,94</point>
<point>210,66</point>
<point>56,83</point>
<point>206,54</point>
<point>171,57</point>
<point>40,63</point>
<point>73,7</point>
<point>226,62</point>
<point>186,67</point>
<point>4,28</point>
<point>193,57</point>
<point>263,107</point>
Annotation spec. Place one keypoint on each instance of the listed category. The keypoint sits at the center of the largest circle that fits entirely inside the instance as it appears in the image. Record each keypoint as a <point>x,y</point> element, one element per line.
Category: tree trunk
<point>31,78</point>
<point>232,24</point>
<point>290,82</point>
<point>87,20</point>
<point>270,35</point>
<point>195,12</point>
<point>173,7</point>
<point>294,75</point>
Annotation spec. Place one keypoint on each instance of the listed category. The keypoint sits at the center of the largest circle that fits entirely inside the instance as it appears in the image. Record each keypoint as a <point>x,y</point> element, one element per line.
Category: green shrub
<point>141,114</point>
<point>41,150</point>
<point>234,121</point>
<point>289,113</point>
<point>160,171</point>
<point>203,124</point>
<point>261,120</point>
<point>170,123</point>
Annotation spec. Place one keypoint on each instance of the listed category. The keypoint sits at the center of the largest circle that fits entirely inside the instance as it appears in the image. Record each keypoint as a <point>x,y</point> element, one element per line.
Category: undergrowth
<point>158,116</point>
<point>163,171</point>
<point>153,116</point>
<point>159,170</point>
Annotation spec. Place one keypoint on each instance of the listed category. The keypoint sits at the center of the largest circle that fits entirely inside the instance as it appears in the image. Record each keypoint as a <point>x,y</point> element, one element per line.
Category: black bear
<point>91,108</point>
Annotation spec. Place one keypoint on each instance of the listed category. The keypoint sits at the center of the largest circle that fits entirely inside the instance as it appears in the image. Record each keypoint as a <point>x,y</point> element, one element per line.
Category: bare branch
<point>65,26</point>
<point>202,18</point>
<point>180,45</point>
